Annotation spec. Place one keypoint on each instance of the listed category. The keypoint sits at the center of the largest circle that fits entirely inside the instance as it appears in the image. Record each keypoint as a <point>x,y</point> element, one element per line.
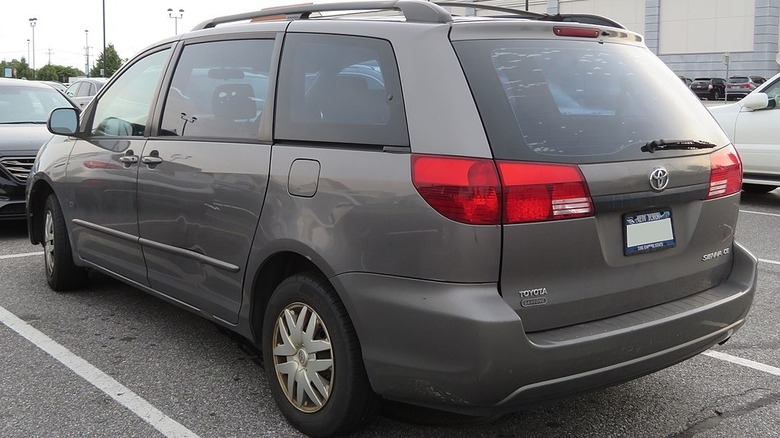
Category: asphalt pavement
<point>111,361</point>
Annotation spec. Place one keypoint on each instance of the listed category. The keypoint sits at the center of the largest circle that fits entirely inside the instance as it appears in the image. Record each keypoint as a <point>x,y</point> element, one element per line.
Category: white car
<point>751,124</point>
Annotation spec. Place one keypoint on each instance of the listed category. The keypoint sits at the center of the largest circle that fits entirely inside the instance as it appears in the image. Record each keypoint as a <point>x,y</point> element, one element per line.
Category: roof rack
<point>413,10</point>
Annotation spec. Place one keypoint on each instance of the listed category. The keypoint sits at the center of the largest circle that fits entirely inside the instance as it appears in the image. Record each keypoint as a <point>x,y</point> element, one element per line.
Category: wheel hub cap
<point>303,357</point>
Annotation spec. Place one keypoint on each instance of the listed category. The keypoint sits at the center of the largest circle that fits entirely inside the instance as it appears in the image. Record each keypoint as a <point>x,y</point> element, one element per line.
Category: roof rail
<point>413,10</point>
<point>519,13</point>
<point>515,12</point>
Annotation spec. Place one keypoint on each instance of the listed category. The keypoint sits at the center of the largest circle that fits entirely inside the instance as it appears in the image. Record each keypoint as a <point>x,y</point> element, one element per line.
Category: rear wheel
<point>313,360</point>
<point>715,95</point>
<point>61,273</point>
<point>757,188</point>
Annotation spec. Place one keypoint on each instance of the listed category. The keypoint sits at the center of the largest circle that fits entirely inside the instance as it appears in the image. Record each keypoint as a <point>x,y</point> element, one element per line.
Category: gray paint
<point>207,219</point>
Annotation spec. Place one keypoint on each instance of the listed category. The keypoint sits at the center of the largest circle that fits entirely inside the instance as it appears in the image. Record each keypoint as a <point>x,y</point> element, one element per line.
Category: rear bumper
<point>461,348</point>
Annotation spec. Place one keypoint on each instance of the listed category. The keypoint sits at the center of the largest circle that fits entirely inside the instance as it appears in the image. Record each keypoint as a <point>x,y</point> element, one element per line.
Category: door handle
<point>128,158</point>
<point>151,160</point>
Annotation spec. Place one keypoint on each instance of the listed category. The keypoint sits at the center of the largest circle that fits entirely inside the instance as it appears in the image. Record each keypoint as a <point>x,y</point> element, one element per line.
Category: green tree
<point>53,72</point>
<point>109,60</point>
<point>20,69</point>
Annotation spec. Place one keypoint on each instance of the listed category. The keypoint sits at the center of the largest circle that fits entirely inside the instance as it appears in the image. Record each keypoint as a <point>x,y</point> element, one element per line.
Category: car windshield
<point>579,102</point>
<point>738,80</point>
<point>28,104</point>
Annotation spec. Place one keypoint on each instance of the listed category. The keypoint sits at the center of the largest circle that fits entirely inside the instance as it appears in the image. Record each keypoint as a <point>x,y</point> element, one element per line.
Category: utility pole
<point>49,53</point>
<point>86,52</point>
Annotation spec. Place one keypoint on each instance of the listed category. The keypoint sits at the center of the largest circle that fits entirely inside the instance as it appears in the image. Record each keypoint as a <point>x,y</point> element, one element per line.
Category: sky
<point>131,26</point>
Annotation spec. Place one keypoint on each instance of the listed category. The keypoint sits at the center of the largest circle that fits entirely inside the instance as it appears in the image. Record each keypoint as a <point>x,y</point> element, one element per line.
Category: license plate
<point>648,231</point>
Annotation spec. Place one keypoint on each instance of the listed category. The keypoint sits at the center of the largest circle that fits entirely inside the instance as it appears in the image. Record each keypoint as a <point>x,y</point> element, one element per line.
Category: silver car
<point>472,215</point>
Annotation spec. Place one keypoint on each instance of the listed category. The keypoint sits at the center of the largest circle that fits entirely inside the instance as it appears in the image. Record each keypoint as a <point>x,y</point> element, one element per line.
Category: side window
<point>219,90</point>
<point>73,89</point>
<point>123,109</point>
<point>340,89</point>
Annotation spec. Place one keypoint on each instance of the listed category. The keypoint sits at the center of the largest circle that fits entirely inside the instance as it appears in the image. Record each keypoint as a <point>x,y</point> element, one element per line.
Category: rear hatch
<point>740,84</point>
<point>600,217</point>
<point>701,84</point>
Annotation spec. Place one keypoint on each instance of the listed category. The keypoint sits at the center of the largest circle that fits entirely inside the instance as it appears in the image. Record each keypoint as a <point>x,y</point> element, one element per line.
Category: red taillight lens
<point>725,172</point>
<point>540,192</point>
<point>462,189</point>
<point>578,32</point>
<point>468,190</point>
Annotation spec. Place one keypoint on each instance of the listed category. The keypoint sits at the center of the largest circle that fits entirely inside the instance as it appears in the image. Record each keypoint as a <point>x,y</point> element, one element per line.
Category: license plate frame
<point>648,231</point>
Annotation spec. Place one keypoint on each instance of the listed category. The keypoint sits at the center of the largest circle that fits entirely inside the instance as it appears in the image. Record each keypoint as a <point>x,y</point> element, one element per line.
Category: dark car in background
<point>24,109</point>
<point>82,90</point>
<point>709,88</point>
<point>738,87</point>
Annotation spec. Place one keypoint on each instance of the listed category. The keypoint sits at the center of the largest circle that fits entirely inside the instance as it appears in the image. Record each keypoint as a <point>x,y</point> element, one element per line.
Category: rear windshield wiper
<point>659,145</point>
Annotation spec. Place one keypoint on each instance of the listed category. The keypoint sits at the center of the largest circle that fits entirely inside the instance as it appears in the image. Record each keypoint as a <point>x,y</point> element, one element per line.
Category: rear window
<point>738,80</point>
<point>579,102</point>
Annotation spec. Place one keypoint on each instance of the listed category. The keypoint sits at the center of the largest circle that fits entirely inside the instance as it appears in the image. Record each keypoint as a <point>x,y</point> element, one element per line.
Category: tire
<point>333,397</point>
<point>61,273</point>
<point>757,189</point>
<point>716,95</point>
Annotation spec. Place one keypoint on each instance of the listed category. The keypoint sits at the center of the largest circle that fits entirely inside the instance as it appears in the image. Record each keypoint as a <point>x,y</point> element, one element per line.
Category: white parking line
<point>760,212</point>
<point>744,362</point>
<point>771,262</point>
<point>15,256</point>
<point>123,395</point>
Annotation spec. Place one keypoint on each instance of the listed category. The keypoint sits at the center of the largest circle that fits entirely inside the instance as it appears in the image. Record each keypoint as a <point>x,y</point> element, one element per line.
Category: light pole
<point>33,21</point>
<point>103,67</point>
<point>175,19</point>
<point>28,51</point>
<point>86,52</point>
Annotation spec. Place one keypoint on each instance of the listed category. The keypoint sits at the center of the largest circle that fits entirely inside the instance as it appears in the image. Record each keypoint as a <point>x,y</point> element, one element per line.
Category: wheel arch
<point>274,269</point>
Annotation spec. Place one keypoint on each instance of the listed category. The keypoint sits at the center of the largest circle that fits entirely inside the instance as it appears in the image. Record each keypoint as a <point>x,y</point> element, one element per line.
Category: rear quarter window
<point>340,89</point>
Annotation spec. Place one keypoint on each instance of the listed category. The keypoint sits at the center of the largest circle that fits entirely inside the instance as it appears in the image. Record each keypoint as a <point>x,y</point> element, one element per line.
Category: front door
<point>103,168</point>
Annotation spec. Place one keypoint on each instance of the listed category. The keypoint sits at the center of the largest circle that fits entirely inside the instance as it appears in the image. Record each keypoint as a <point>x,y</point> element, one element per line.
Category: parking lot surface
<point>112,361</point>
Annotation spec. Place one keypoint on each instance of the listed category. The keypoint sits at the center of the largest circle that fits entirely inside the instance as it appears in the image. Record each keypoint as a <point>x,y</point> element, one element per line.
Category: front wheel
<point>313,360</point>
<point>61,273</point>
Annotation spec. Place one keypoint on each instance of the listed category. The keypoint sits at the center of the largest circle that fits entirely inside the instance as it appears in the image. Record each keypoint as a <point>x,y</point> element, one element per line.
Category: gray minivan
<point>468,214</point>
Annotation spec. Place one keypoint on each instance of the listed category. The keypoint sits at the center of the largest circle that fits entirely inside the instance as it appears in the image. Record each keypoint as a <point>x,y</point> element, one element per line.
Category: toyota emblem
<point>659,179</point>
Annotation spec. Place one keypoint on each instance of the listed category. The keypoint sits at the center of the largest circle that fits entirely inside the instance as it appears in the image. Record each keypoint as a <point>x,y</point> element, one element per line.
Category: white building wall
<point>706,26</point>
<point>629,13</point>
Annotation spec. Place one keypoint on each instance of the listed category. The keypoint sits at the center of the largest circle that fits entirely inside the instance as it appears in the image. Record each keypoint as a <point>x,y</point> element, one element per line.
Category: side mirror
<point>63,121</point>
<point>755,101</point>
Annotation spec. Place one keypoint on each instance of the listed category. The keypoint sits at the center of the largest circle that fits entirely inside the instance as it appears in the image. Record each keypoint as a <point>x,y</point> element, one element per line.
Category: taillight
<point>462,189</point>
<point>725,172</point>
<point>542,192</point>
<point>579,32</point>
<point>469,190</point>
